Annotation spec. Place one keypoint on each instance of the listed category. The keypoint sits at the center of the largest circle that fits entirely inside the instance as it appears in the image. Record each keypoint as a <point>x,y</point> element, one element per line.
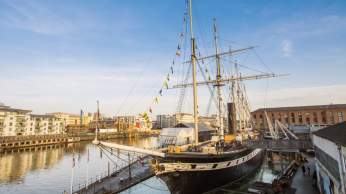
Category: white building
<point>15,122</point>
<point>330,149</point>
<point>44,124</point>
<point>12,121</point>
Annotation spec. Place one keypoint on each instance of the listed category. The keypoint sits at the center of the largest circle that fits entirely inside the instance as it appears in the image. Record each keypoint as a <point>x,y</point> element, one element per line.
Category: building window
<point>315,117</point>
<point>300,118</point>
<point>340,117</point>
<point>331,117</point>
<point>286,118</point>
<point>293,119</point>
<point>10,123</point>
<point>324,117</point>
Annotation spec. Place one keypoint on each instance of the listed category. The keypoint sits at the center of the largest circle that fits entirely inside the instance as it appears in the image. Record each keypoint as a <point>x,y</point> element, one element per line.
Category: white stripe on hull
<point>172,167</point>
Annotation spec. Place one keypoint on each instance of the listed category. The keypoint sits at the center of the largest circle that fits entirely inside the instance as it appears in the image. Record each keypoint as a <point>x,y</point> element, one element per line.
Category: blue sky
<point>64,55</point>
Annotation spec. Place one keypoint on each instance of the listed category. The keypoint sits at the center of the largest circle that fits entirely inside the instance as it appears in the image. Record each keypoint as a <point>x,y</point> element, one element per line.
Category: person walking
<point>303,169</point>
<point>314,179</point>
<point>308,170</point>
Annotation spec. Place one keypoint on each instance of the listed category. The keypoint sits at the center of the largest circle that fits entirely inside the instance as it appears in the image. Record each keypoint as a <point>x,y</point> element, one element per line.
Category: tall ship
<point>202,164</point>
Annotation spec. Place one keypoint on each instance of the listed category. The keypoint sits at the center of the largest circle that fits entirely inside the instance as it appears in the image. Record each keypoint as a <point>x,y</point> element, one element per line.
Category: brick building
<point>301,115</point>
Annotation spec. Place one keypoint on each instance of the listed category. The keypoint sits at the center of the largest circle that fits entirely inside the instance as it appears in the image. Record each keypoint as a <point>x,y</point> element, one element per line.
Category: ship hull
<point>190,182</point>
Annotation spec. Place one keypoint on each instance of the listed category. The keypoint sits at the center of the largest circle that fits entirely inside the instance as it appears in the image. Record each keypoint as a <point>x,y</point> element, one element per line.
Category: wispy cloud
<point>311,26</point>
<point>35,17</point>
<point>286,48</point>
<point>46,17</point>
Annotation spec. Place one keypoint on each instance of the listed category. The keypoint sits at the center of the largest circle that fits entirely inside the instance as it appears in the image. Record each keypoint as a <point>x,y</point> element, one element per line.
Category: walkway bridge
<point>280,144</point>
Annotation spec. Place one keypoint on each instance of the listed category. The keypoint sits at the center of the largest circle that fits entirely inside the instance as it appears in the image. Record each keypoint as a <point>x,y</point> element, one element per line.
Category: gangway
<point>279,144</point>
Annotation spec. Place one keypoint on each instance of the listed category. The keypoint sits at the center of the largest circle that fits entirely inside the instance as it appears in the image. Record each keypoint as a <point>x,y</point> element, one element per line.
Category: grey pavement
<point>303,183</point>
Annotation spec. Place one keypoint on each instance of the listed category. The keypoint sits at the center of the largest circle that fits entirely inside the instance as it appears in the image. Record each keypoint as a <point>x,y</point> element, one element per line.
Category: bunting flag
<point>165,83</point>
<point>146,117</point>
<point>171,72</point>
<point>178,51</point>
<point>209,77</point>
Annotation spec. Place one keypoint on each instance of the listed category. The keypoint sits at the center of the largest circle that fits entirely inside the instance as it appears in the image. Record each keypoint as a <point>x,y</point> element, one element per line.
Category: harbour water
<point>49,169</point>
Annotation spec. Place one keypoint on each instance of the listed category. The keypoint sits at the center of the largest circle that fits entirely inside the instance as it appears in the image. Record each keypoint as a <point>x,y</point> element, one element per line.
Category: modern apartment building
<point>301,115</point>
<point>44,124</point>
<point>164,121</point>
<point>12,121</point>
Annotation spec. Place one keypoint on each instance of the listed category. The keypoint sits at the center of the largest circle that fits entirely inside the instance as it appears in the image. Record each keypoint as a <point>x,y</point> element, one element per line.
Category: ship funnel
<point>231,115</point>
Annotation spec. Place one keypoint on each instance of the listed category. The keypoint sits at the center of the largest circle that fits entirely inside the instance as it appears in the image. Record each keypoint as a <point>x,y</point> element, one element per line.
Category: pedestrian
<point>314,179</point>
<point>308,170</point>
<point>303,169</point>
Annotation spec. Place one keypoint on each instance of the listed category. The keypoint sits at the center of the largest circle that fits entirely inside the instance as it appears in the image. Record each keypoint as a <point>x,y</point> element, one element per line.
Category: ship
<point>201,166</point>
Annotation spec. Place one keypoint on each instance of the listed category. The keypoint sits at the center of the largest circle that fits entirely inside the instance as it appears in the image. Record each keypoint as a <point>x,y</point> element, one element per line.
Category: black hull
<point>190,182</point>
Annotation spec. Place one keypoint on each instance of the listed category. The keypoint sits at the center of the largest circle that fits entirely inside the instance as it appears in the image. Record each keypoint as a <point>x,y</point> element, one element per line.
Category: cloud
<point>50,18</point>
<point>35,17</point>
<point>286,48</point>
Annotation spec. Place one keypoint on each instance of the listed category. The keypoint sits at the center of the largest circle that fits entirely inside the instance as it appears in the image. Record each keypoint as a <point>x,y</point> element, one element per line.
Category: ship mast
<point>218,85</point>
<point>194,82</point>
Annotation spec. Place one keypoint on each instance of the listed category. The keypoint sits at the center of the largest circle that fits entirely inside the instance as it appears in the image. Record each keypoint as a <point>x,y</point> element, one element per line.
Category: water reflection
<point>43,170</point>
<point>48,169</point>
<point>15,164</point>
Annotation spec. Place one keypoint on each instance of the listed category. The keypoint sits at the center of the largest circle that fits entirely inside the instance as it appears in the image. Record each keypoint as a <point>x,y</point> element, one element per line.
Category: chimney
<point>231,115</point>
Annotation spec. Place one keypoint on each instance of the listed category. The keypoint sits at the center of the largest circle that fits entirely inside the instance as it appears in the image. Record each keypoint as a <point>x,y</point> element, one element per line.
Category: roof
<point>201,126</point>
<point>300,108</point>
<point>9,109</point>
<point>44,116</point>
<point>335,133</point>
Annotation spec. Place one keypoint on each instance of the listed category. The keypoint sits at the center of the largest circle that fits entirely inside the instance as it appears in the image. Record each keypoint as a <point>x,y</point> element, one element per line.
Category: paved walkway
<point>303,183</point>
<point>121,181</point>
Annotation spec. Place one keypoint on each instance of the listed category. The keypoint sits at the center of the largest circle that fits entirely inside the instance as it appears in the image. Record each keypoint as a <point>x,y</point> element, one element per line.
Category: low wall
<point>13,142</point>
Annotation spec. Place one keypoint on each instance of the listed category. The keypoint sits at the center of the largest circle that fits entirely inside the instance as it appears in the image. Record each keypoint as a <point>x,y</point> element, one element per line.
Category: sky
<point>64,55</point>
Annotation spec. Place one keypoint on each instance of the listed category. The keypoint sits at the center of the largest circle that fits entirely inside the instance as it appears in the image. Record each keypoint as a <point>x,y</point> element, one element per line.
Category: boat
<point>199,167</point>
